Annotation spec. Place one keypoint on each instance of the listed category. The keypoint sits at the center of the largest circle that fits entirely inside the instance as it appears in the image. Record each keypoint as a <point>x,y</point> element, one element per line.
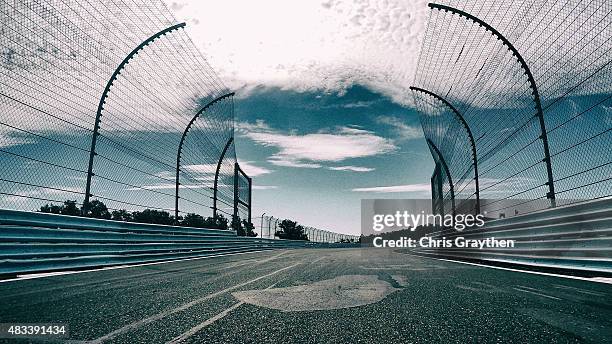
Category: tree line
<point>289,230</point>
<point>97,209</point>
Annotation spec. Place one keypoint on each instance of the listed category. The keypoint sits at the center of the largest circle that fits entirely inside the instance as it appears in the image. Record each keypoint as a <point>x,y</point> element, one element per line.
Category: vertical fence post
<point>250,180</point>
<point>261,226</point>
<point>236,191</point>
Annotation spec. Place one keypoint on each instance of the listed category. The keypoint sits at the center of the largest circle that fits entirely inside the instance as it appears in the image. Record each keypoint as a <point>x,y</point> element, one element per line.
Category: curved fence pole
<point>227,145</point>
<point>180,147</point>
<point>469,132</point>
<point>109,84</point>
<point>445,166</point>
<point>437,206</point>
<point>532,84</point>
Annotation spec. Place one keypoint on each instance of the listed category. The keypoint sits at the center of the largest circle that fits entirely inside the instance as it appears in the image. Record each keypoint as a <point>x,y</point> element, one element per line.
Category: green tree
<point>291,230</point>
<point>70,208</point>
<point>51,209</point>
<point>153,216</point>
<point>193,220</point>
<point>249,228</point>
<point>121,215</point>
<point>97,209</point>
<point>217,222</point>
<point>237,226</point>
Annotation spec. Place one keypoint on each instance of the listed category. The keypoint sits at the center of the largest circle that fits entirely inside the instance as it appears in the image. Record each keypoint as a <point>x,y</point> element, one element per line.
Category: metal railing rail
<point>39,242</point>
<point>575,237</point>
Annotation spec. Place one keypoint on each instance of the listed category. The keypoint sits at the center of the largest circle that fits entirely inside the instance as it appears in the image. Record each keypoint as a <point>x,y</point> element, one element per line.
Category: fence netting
<point>566,48</point>
<point>55,65</point>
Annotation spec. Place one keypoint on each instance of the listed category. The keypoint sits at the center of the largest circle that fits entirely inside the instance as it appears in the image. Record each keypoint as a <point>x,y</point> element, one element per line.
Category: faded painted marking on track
<point>527,290</point>
<point>183,307</point>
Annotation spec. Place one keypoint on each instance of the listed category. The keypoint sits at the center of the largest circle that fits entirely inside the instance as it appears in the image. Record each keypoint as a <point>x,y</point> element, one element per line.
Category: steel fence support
<point>534,90</point>
<point>236,191</point>
<point>238,172</point>
<point>216,183</point>
<point>180,147</point>
<point>109,84</point>
<point>470,136</point>
<point>447,171</point>
<point>437,206</point>
<point>250,180</point>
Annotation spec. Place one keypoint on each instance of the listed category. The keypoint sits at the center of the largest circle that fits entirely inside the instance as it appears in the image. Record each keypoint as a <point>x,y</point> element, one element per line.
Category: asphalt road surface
<point>314,296</point>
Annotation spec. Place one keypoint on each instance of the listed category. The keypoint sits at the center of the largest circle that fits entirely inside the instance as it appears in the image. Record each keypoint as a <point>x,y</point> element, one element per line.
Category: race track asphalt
<point>313,296</point>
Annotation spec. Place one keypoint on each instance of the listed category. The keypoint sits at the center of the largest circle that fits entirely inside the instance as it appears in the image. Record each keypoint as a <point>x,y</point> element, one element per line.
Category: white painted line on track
<point>208,322</point>
<point>183,307</point>
<point>200,326</point>
<point>588,279</point>
<point>535,292</point>
<point>220,315</point>
<point>583,291</point>
<point>73,272</point>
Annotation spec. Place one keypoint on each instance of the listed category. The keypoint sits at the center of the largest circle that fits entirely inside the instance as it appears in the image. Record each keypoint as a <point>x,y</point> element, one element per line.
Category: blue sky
<point>322,100</point>
<point>314,155</point>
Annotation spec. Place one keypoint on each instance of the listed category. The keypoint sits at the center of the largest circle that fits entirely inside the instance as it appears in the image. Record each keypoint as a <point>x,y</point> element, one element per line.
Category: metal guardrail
<point>39,242</point>
<point>575,237</point>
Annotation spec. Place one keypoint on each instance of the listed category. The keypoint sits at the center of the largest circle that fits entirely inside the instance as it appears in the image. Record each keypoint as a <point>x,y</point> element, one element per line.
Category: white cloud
<point>8,140</point>
<point>252,170</point>
<point>400,128</point>
<point>309,150</point>
<point>396,188</point>
<point>200,168</point>
<point>206,171</point>
<point>288,162</point>
<point>358,104</point>
<point>171,187</point>
<point>264,187</point>
<point>306,45</point>
<point>352,168</point>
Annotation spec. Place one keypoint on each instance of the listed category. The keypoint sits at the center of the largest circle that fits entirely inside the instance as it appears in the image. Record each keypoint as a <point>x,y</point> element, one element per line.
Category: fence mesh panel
<point>566,47</point>
<point>55,65</point>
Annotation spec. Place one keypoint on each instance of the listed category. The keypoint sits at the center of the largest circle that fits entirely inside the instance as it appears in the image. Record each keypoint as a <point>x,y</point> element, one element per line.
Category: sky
<point>323,113</point>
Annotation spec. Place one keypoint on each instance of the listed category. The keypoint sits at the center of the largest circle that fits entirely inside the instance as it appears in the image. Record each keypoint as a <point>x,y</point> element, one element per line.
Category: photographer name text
<point>430,242</point>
